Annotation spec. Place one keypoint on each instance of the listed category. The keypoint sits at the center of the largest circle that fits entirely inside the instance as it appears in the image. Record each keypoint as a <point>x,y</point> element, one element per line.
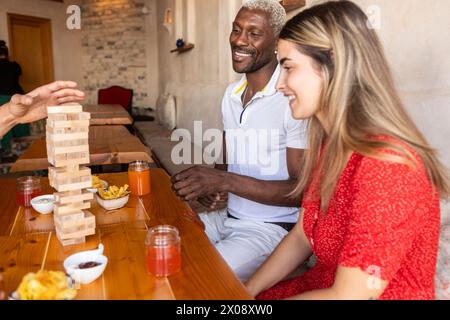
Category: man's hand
<point>198,182</point>
<point>213,200</point>
<point>33,105</point>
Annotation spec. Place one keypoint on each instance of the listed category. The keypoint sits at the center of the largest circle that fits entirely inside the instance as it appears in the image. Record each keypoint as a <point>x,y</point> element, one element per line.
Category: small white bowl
<point>112,204</point>
<point>43,204</point>
<point>88,275</point>
<point>103,182</point>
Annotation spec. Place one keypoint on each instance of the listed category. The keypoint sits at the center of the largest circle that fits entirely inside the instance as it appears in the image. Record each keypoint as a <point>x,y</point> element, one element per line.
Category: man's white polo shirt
<point>256,142</point>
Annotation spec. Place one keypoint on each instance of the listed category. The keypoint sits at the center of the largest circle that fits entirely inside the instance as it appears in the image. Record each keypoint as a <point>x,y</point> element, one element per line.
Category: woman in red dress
<point>371,183</point>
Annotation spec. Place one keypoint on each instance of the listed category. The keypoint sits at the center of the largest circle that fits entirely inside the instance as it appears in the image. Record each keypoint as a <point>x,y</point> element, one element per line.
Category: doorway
<point>30,41</point>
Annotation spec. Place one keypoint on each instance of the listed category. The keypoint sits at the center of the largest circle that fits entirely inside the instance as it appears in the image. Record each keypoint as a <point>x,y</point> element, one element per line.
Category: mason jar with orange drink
<point>139,178</point>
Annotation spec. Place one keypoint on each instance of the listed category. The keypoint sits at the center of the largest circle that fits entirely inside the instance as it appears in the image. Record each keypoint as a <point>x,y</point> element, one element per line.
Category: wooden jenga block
<point>68,124</point>
<point>52,145</point>
<point>75,186</point>
<point>69,116</point>
<point>79,116</point>
<point>53,137</point>
<point>70,217</point>
<point>69,197</point>
<point>70,242</point>
<point>71,226</point>
<point>70,208</point>
<point>73,160</point>
<point>76,234</point>
<point>63,131</point>
<point>63,173</point>
<point>57,117</point>
<point>75,108</point>
<point>87,219</point>
<point>67,150</point>
<point>71,184</point>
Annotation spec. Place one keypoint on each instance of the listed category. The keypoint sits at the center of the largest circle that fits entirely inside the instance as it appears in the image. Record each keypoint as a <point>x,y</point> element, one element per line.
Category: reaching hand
<point>33,105</point>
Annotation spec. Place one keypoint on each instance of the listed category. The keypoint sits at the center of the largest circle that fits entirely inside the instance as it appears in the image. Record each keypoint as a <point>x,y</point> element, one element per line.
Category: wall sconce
<point>145,11</point>
<point>168,20</point>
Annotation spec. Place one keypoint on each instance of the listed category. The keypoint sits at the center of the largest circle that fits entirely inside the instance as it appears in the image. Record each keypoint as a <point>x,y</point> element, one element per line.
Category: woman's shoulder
<point>393,160</point>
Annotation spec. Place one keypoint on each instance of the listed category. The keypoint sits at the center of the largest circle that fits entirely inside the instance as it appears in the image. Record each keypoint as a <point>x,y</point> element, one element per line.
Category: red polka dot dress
<point>383,218</point>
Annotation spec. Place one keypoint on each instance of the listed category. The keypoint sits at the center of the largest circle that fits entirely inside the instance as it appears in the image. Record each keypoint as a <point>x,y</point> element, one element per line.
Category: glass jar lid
<point>162,236</point>
<point>28,183</point>
<point>138,166</point>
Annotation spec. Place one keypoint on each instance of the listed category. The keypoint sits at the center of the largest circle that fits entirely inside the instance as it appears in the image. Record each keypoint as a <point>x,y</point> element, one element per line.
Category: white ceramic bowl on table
<point>43,204</point>
<point>86,275</point>
<point>112,204</point>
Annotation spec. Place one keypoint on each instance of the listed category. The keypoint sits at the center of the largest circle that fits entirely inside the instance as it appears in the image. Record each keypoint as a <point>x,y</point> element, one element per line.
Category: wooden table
<point>108,114</point>
<point>28,244</point>
<point>107,145</point>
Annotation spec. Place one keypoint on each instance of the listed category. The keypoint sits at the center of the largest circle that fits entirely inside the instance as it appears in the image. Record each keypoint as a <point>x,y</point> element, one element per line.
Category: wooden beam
<point>290,5</point>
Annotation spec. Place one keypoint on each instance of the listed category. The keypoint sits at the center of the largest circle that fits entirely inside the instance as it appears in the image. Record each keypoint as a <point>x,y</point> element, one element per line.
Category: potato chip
<point>96,183</point>
<point>114,192</point>
<point>45,285</point>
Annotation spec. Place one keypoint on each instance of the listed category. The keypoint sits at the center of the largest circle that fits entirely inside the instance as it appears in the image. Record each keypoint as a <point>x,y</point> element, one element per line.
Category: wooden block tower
<point>67,151</point>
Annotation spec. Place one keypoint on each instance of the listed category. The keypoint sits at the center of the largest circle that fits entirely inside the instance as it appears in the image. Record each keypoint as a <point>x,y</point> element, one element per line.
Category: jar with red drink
<point>163,251</point>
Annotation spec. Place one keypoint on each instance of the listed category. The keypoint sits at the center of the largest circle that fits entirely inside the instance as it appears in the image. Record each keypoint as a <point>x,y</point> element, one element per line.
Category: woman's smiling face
<point>300,81</point>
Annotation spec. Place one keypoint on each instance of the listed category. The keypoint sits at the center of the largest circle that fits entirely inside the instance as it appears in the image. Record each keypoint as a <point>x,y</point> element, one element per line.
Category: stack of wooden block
<point>68,150</point>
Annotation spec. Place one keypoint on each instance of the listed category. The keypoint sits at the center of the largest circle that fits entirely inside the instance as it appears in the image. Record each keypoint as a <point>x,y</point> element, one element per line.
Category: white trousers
<point>244,244</point>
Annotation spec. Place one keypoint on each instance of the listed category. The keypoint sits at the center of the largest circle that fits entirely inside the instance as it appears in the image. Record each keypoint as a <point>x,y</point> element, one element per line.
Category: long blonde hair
<point>359,98</point>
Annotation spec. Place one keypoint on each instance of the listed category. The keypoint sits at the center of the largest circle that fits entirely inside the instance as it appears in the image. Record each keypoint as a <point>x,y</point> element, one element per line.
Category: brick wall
<point>114,48</point>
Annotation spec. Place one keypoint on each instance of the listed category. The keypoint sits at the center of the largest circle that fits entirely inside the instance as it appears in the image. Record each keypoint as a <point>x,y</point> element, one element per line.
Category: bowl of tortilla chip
<point>45,285</point>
